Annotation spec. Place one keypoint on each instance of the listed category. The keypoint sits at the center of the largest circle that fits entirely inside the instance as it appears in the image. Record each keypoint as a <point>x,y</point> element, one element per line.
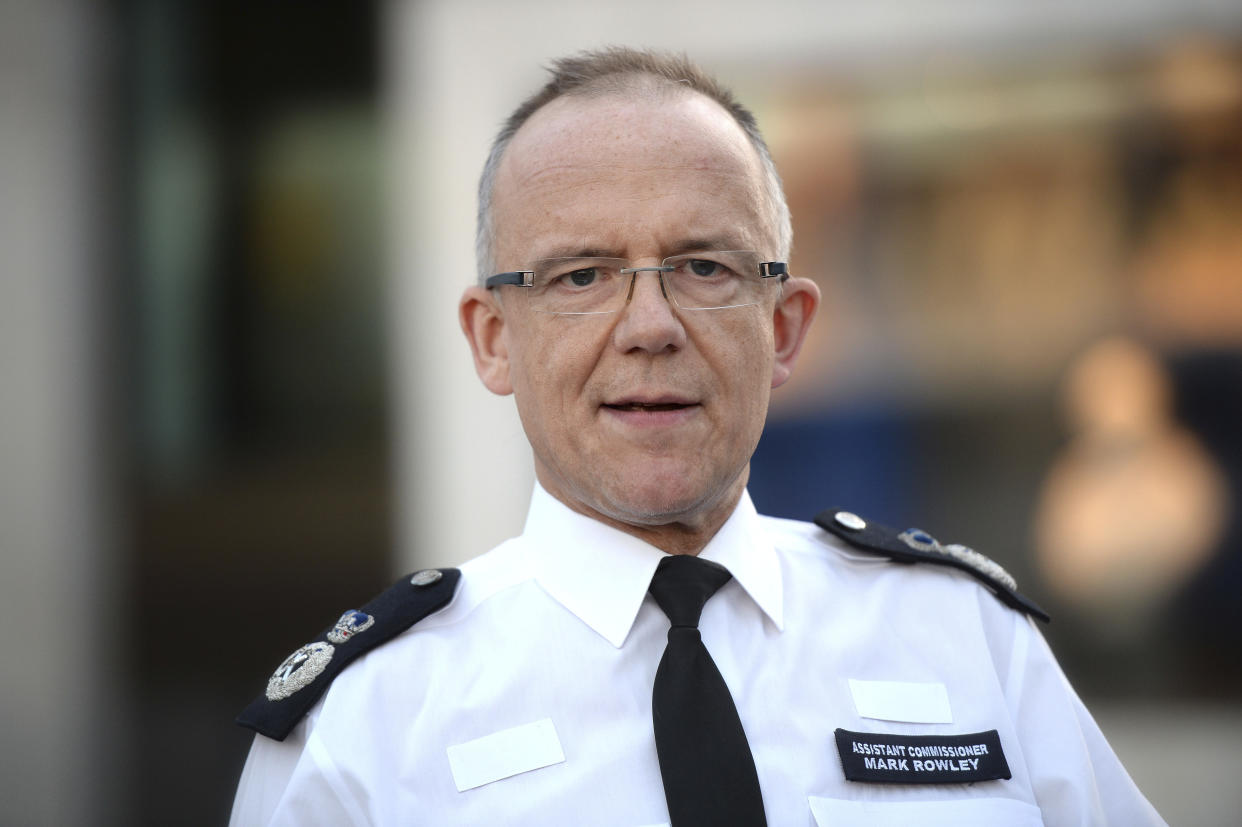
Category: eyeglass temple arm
<point>773,269</point>
<point>521,278</point>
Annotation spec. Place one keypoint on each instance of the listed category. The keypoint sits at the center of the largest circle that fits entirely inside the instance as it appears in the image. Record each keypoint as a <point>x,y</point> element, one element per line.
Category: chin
<point>656,502</point>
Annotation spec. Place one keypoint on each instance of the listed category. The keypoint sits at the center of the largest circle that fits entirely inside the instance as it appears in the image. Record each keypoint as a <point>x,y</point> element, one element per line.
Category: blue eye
<point>583,277</point>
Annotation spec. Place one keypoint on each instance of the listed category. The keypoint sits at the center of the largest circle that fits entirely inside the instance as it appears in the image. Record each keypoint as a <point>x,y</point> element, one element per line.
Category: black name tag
<point>884,758</point>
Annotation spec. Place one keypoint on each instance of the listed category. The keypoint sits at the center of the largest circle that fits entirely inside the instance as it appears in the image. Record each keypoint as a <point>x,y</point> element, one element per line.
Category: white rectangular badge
<point>914,703</point>
<point>830,812</point>
<point>505,753</point>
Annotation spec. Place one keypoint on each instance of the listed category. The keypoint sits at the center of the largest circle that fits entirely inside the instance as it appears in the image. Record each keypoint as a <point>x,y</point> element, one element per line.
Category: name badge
<point>885,758</point>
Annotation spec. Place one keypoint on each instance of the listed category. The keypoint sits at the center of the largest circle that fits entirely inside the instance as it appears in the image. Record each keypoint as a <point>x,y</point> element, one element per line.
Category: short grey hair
<point>619,70</point>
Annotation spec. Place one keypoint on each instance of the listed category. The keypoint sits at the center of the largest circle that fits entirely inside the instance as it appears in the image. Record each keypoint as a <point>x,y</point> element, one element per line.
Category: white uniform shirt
<point>552,642</point>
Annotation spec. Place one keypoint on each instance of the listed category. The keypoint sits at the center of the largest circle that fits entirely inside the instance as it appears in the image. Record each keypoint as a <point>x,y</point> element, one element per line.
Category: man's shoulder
<point>424,600</point>
<point>303,677</point>
<point>844,536</point>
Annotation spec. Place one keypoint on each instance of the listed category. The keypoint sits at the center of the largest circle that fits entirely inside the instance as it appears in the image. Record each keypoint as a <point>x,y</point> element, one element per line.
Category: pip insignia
<point>298,670</point>
<point>922,541</point>
<point>350,624</point>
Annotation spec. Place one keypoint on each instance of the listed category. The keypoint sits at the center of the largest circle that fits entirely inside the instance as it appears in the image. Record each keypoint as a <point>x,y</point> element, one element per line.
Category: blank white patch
<point>914,703</point>
<point>504,754</point>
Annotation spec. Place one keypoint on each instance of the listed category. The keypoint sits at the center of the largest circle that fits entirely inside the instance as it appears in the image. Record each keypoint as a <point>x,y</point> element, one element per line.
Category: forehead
<point>621,172</point>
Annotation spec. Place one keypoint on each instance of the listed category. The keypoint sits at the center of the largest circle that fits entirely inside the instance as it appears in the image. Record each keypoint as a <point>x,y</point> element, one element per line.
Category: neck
<point>686,532</point>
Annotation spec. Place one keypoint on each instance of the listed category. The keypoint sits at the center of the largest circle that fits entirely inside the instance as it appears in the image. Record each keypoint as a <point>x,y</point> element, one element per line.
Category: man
<point>633,299</point>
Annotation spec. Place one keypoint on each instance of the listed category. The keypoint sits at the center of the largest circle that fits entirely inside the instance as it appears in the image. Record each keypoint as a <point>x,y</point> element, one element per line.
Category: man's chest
<point>546,722</point>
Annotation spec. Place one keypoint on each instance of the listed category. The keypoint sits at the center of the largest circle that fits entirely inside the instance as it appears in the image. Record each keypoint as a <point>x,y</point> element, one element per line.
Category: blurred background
<point>234,400</point>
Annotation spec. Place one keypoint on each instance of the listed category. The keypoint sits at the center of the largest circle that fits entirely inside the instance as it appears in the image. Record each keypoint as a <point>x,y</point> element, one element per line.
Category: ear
<point>791,319</point>
<point>483,321</point>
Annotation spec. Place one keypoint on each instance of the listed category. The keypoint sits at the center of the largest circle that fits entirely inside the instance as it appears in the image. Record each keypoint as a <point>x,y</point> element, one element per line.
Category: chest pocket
<point>969,812</point>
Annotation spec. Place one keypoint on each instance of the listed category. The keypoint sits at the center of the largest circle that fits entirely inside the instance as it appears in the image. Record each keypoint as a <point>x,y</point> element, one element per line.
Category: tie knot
<point>682,585</point>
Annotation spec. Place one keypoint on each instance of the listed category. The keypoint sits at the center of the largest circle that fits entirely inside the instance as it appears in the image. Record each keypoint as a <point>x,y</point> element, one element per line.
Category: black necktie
<point>705,761</point>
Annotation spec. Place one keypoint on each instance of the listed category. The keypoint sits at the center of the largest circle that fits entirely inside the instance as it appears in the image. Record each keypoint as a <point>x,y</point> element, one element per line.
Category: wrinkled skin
<point>644,419</point>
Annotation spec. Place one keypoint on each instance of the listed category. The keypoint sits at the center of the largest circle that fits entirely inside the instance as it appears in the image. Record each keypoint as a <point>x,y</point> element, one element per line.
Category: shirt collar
<point>745,549</point>
<point>601,574</point>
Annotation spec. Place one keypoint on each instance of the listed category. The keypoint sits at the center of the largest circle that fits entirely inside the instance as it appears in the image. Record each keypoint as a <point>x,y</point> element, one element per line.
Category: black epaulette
<point>306,674</point>
<point>917,546</point>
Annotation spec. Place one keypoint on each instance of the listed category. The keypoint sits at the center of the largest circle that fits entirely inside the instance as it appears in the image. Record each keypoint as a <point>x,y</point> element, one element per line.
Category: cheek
<point>746,348</point>
<point>746,369</point>
<point>550,368</point>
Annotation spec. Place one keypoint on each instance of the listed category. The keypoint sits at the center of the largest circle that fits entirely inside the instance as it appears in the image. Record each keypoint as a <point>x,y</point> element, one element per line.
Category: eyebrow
<point>688,245</point>
<point>696,245</point>
<point>580,252</point>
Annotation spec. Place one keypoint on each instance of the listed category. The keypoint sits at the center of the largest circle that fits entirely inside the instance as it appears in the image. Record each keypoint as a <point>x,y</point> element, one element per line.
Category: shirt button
<point>850,520</point>
<point>426,577</point>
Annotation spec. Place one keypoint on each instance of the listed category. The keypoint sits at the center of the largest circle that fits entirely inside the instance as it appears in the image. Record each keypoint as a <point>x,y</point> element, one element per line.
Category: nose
<point>648,321</point>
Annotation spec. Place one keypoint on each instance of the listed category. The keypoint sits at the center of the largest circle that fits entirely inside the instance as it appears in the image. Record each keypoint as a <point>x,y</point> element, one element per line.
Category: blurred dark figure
<point>1208,389</point>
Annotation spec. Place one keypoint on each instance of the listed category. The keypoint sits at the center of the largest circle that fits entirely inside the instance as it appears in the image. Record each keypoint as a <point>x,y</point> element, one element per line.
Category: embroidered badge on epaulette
<point>305,675</point>
<point>914,545</point>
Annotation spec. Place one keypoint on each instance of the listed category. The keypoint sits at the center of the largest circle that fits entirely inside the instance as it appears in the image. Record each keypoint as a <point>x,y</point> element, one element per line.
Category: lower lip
<point>640,418</point>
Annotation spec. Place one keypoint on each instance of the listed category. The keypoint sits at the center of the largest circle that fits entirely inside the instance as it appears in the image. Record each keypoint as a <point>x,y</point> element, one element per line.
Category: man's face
<point>647,416</point>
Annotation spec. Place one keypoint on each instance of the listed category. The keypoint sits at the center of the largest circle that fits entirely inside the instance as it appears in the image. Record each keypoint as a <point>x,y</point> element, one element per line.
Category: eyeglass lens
<point>699,281</point>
